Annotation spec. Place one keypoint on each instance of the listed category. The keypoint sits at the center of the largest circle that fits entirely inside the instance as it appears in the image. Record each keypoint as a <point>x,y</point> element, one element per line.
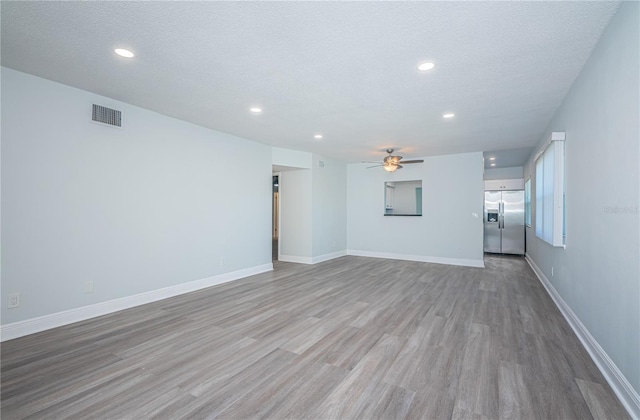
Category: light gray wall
<point>404,197</point>
<point>154,204</point>
<point>329,206</point>
<point>313,208</point>
<point>290,158</point>
<point>598,273</point>
<point>295,213</point>
<point>452,188</point>
<point>513,172</point>
<point>295,201</point>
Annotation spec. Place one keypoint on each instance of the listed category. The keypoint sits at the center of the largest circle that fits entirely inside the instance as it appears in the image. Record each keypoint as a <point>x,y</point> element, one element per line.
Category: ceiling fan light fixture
<point>392,163</point>
<point>390,167</point>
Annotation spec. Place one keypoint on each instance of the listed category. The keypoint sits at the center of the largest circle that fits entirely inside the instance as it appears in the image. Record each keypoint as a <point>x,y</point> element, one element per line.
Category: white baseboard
<point>330,256</point>
<point>58,319</point>
<point>295,259</point>
<point>420,258</point>
<point>621,387</point>
<point>312,260</point>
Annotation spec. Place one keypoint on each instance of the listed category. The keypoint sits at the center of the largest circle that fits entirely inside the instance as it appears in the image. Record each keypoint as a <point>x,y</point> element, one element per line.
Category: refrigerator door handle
<point>500,215</point>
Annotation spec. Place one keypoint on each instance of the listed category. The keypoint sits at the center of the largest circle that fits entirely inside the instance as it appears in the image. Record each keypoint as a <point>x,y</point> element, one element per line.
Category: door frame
<point>279,175</point>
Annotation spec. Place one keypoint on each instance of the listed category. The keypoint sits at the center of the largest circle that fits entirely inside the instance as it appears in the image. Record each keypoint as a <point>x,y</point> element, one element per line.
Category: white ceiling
<point>343,69</point>
<point>507,158</point>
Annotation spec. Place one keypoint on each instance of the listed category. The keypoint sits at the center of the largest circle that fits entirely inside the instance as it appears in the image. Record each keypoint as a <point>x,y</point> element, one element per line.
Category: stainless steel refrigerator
<point>504,222</point>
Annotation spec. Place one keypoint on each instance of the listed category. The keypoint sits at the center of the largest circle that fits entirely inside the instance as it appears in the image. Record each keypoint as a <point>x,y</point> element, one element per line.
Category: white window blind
<point>550,191</point>
<point>527,202</point>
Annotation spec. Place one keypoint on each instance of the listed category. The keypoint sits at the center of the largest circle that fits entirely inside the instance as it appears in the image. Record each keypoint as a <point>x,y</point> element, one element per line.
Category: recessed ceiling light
<point>317,136</point>
<point>124,53</point>
<point>492,158</point>
<point>450,115</point>
<point>493,164</point>
<point>426,66</point>
<point>255,110</point>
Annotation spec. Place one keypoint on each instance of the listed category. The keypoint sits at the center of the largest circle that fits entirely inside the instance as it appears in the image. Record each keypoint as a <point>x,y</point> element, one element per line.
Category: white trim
<point>420,258</point>
<point>555,136</point>
<point>58,319</point>
<point>295,259</point>
<point>279,174</point>
<point>330,256</point>
<point>621,387</point>
<point>312,260</point>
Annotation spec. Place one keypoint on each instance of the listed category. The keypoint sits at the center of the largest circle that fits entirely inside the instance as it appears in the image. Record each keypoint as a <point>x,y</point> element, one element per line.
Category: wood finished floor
<point>350,338</point>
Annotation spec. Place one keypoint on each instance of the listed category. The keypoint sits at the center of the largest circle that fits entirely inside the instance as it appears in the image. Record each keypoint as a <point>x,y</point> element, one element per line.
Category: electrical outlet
<point>14,300</point>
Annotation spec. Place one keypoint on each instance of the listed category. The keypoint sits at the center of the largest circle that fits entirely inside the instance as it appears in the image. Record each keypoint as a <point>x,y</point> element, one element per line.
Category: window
<point>527,202</point>
<point>550,191</point>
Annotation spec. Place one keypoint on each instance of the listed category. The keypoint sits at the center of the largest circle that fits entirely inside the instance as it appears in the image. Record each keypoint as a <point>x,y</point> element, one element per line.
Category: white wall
<point>295,203</point>
<point>295,215</point>
<point>597,274</point>
<point>513,172</point>
<point>404,197</point>
<point>290,158</point>
<point>329,203</point>
<point>154,204</point>
<point>313,209</point>
<point>447,231</point>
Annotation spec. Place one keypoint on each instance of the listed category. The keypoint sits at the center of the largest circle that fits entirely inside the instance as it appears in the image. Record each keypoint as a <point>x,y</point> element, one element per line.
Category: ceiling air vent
<point>106,115</point>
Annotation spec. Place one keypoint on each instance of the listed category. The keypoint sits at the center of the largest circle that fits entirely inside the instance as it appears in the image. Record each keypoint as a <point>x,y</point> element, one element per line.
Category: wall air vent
<point>106,115</point>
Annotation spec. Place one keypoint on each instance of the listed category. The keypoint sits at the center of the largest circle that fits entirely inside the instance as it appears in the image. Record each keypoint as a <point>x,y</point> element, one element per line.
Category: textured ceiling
<point>343,69</point>
<point>507,158</point>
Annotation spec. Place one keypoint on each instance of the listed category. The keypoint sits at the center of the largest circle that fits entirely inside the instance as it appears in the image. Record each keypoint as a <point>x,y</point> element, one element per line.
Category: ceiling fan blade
<point>412,161</point>
<point>374,166</point>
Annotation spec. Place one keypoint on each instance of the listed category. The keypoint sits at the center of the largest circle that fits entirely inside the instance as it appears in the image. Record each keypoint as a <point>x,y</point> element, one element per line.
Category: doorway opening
<point>275,220</point>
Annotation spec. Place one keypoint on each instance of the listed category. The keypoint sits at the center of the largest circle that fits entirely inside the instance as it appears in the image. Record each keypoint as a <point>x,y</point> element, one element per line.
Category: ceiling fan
<point>391,163</point>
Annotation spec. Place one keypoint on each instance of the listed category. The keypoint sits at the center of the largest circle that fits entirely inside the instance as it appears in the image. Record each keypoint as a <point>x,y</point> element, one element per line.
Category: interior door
<point>492,242</point>
<point>513,225</point>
